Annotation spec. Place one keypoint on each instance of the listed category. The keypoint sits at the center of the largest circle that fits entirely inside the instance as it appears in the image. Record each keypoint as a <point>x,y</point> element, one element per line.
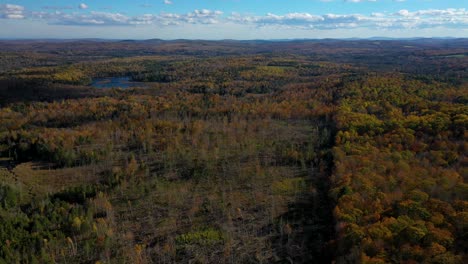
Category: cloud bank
<point>9,11</point>
<point>402,19</point>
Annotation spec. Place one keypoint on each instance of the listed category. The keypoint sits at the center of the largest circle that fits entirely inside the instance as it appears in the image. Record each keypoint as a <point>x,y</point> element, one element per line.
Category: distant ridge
<point>157,40</point>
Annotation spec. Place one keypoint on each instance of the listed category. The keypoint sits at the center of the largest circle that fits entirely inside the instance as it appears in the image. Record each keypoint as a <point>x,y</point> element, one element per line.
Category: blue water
<point>114,82</point>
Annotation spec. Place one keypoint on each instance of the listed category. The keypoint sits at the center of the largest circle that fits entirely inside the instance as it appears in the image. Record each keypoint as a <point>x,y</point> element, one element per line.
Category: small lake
<point>114,82</point>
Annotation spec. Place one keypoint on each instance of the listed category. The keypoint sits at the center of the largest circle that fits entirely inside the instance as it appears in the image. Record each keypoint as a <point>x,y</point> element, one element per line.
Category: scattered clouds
<point>301,20</point>
<point>203,16</point>
<point>92,19</point>
<point>168,2</point>
<point>402,19</point>
<point>83,6</point>
<point>450,18</point>
<point>10,11</point>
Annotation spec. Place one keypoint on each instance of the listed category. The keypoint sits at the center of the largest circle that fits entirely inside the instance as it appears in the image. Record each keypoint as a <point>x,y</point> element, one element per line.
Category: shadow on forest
<point>304,233</point>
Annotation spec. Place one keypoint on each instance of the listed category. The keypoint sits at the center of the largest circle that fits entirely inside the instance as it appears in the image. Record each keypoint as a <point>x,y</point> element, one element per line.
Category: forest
<point>302,151</point>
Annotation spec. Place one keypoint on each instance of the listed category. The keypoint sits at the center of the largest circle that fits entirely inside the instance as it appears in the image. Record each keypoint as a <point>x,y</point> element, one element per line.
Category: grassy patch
<point>209,236</point>
<point>289,186</point>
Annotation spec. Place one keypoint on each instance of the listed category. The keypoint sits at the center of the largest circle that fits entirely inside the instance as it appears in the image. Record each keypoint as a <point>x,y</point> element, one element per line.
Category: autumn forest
<point>330,151</point>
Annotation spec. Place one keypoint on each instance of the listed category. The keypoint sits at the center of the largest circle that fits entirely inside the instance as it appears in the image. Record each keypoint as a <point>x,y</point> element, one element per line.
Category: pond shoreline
<point>114,82</point>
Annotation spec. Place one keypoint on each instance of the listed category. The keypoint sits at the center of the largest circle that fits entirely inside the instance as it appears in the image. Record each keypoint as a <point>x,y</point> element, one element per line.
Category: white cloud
<point>377,14</point>
<point>146,19</point>
<point>83,6</point>
<point>203,16</point>
<point>10,11</point>
<point>168,2</point>
<point>403,12</point>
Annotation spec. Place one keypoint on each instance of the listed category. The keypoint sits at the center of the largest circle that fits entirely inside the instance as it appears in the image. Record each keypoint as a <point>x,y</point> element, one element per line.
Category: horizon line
<point>232,39</point>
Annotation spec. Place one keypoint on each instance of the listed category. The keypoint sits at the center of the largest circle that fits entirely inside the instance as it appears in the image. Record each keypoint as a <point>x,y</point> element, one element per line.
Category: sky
<point>232,19</point>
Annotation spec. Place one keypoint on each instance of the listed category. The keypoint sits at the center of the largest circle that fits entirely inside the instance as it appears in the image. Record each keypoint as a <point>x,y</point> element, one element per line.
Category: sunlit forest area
<point>234,151</point>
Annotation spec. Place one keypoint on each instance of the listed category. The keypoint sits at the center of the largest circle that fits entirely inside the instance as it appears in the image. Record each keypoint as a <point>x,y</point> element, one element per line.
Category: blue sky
<point>233,19</point>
